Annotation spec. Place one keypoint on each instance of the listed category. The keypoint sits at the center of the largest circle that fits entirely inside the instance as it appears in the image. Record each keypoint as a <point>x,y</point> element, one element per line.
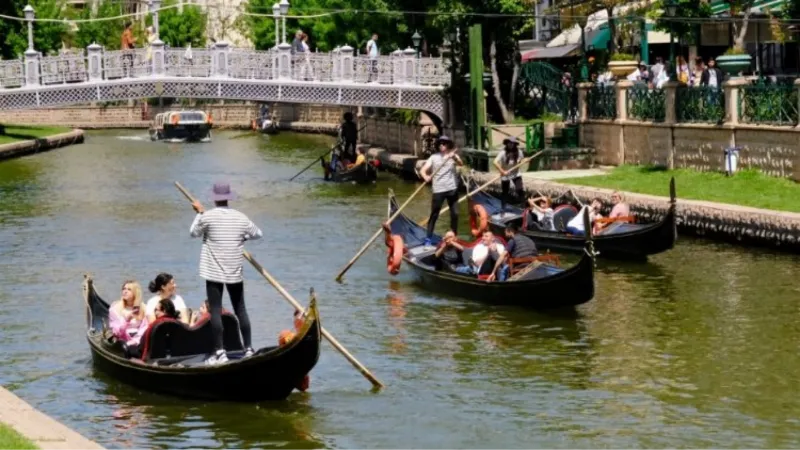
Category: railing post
<point>95,56</point>
<point>410,65</point>
<point>731,88</point>
<point>336,73</point>
<point>622,87</point>
<point>159,58</point>
<point>221,50</point>
<point>346,58</point>
<point>284,60</point>
<point>32,67</point>
<point>397,67</point>
<point>583,110</point>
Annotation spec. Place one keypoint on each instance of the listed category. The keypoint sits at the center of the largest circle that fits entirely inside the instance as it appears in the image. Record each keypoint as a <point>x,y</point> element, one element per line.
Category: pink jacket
<point>119,326</point>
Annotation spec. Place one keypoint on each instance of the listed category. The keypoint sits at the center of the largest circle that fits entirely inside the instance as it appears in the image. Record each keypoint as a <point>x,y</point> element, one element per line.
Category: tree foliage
<point>682,29</point>
<point>106,33</point>
<point>179,29</point>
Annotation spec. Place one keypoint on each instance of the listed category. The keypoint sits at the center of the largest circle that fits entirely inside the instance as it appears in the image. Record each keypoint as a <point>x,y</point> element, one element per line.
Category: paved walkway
<point>562,174</point>
<point>43,430</point>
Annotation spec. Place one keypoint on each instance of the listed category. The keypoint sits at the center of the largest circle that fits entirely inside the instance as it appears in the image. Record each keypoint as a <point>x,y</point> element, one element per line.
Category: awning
<point>760,6</point>
<point>598,39</point>
<point>551,52</point>
<point>655,36</point>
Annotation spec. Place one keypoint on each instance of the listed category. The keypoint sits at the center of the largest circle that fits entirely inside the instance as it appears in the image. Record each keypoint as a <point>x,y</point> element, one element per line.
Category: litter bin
<point>731,159</point>
<point>535,138</point>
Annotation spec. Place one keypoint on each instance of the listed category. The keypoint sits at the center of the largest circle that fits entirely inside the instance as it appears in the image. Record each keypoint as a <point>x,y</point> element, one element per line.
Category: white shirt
<point>507,163</point>
<point>481,252</point>
<point>636,75</point>
<point>372,48</point>
<point>177,300</point>
<point>712,78</point>
<point>577,221</point>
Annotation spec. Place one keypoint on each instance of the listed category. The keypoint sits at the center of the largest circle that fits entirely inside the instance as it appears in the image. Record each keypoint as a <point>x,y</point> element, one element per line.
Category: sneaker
<point>217,358</point>
<point>249,352</point>
<point>427,242</point>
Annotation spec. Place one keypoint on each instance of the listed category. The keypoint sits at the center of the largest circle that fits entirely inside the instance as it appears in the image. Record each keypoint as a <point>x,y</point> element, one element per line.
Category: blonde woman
<point>151,37</point>
<point>126,316</point>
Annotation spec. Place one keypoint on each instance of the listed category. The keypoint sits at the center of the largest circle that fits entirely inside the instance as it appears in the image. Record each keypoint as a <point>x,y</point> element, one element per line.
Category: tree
<point>681,28</point>
<point>743,7</point>
<point>11,31</point>
<point>105,33</point>
<point>47,36</point>
<point>181,28</point>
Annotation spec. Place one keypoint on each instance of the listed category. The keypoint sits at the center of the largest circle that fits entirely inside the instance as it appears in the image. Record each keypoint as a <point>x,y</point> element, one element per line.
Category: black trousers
<point>350,150</point>
<point>505,185</point>
<point>436,206</point>
<point>236,293</point>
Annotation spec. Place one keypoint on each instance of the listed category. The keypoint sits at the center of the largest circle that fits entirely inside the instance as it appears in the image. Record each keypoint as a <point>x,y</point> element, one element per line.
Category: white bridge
<point>400,80</point>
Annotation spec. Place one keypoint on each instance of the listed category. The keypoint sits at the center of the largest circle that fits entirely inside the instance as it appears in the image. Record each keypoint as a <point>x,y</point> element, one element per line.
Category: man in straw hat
<point>224,231</point>
<point>509,157</point>
<point>444,183</point>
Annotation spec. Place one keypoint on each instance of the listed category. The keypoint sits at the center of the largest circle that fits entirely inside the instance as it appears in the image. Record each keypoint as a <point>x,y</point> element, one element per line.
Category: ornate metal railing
<point>646,104</point>
<point>601,102</point>
<point>340,66</point>
<point>700,104</point>
<point>774,104</point>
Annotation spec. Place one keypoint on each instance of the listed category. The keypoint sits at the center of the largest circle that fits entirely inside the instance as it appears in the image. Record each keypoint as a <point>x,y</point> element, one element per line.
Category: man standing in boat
<point>444,183</point>
<point>505,160</point>
<point>349,135</point>
<point>224,231</point>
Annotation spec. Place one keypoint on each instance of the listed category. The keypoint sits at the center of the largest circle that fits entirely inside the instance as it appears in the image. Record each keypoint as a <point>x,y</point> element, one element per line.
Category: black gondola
<point>629,241</point>
<point>174,363</point>
<point>362,174</point>
<point>544,287</point>
<point>266,125</point>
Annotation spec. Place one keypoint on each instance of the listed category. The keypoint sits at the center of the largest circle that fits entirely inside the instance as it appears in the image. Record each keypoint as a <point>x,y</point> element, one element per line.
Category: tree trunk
<point>508,116</point>
<point>738,41</point>
<point>512,96</point>
<point>612,31</point>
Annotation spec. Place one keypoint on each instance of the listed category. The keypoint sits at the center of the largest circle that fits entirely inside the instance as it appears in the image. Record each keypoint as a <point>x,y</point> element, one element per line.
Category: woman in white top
<point>307,70</point>
<point>164,286</point>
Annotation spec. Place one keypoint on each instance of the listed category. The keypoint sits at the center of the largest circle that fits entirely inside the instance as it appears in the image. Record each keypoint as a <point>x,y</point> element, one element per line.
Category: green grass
<point>746,188</point>
<point>12,440</point>
<point>15,133</point>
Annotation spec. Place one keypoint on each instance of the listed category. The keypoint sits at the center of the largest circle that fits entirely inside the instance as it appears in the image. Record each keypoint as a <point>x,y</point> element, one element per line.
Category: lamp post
<point>416,39</point>
<point>155,5</point>
<point>672,10</point>
<point>284,5</point>
<point>29,14</point>
<point>276,13</point>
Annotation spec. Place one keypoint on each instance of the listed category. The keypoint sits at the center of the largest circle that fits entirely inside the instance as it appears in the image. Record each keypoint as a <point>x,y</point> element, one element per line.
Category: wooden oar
<point>367,374</point>
<point>485,185</point>
<point>338,143</point>
<point>380,230</point>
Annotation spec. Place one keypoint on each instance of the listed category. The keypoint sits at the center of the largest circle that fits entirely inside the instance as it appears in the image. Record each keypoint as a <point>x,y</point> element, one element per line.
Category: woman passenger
<point>199,316</point>
<point>163,311</point>
<point>126,316</point>
<point>164,286</point>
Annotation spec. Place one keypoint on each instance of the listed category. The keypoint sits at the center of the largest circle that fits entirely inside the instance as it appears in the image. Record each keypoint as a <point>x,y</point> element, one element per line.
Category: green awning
<point>722,6</point>
<point>599,39</point>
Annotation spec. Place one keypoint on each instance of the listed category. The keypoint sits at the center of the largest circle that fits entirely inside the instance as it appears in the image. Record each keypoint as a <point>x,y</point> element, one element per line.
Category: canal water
<point>697,348</point>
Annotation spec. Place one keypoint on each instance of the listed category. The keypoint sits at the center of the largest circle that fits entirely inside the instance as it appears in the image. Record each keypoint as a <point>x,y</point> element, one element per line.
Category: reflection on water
<point>697,348</point>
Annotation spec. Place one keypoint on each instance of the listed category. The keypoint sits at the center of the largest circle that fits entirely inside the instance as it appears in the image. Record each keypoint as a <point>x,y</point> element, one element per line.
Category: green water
<point>697,348</point>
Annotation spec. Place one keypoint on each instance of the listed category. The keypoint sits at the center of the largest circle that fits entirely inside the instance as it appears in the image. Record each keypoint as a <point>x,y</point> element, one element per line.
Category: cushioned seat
<point>174,338</point>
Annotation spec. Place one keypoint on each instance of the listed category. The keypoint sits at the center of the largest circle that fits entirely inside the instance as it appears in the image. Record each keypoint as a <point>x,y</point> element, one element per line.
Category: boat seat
<point>562,215</point>
<point>178,339</point>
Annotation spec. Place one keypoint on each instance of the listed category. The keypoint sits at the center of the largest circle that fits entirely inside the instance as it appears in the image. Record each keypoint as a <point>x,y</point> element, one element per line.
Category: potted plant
<point>734,61</point>
<point>622,64</point>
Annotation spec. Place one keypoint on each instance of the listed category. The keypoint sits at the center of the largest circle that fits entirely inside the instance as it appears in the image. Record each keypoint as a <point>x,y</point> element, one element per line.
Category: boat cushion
<point>178,339</point>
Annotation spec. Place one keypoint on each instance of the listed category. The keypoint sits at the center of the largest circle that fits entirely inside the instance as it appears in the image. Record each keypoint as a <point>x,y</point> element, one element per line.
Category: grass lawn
<point>747,188</point>
<point>13,440</point>
<point>14,133</point>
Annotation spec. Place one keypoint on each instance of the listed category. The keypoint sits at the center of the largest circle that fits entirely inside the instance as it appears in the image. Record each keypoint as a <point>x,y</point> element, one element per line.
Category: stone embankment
<point>23,148</point>
<point>718,221</point>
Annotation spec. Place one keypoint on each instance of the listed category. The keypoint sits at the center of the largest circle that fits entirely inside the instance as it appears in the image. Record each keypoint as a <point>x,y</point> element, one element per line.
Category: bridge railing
<point>402,67</point>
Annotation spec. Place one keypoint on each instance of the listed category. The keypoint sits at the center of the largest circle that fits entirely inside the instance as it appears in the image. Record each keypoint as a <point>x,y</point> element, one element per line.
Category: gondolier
<point>444,183</point>
<point>505,160</point>
<point>224,231</point>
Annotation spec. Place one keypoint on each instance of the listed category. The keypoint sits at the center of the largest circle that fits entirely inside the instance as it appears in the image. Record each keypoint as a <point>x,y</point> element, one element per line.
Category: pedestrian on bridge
<point>373,52</point>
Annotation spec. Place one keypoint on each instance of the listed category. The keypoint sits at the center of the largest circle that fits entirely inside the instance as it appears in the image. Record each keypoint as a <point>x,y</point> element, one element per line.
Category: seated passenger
<point>518,245</point>
<point>488,258</point>
<point>620,208</point>
<point>575,225</point>
<point>201,315</point>
<point>286,336</point>
<point>126,316</point>
<point>360,159</point>
<point>164,285</point>
<point>450,254</point>
<point>541,211</point>
<point>164,311</point>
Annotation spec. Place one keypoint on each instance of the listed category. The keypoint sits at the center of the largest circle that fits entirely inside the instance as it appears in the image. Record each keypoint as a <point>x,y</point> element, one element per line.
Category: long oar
<point>485,185</point>
<point>380,231</point>
<point>297,305</point>
<point>338,143</point>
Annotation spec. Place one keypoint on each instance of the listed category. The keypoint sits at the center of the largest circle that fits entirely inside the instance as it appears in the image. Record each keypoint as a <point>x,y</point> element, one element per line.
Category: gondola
<point>174,362</point>
<point>545,287</point>
<point>628,241</point>
<point>363,174</point>
<point>266,125</point>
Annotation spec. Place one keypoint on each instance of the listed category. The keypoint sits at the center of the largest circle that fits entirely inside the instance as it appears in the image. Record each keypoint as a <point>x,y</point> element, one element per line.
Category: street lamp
<point>416,38</point>
<point>672,10</point>
<point>155,5</point>
<point>284,5</point>
<point>276,13</point>
<point>29,14</point>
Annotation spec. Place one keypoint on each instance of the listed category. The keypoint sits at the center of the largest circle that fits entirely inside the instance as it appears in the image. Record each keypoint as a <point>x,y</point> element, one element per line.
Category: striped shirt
<point>224,231</point>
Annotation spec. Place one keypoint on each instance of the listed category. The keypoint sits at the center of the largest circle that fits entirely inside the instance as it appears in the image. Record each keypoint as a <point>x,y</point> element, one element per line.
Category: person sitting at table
<point>488,258</point>
<point>450,254</point>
